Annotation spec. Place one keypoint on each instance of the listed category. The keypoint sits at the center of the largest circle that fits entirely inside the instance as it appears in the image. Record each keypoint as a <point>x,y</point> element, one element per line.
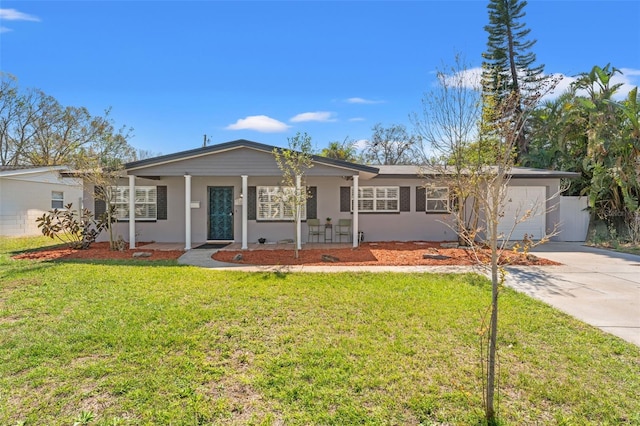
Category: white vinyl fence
<point>574,219</point>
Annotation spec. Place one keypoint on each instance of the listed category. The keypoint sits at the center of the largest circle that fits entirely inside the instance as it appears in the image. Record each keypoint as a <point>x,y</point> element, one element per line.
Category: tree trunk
<point>490,412</point>
<point>491,359</point>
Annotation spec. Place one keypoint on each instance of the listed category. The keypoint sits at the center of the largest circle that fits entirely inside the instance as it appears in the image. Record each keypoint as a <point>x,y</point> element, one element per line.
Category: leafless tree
<point>391,145</point>
<point>477,161</point>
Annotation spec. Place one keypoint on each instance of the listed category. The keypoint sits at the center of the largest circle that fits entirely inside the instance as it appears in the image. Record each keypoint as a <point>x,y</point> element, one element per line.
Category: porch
<point>250,246</point>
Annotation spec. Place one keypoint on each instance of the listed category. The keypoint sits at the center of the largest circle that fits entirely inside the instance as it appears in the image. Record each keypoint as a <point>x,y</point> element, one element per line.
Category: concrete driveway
<point>599,287</point>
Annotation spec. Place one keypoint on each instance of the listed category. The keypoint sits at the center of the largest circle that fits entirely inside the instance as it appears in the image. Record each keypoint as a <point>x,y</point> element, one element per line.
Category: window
<point>57,199</point>
<point>273,203</point>
<point>438,199</point>
<point>377,199</point>
<point>145,202</point>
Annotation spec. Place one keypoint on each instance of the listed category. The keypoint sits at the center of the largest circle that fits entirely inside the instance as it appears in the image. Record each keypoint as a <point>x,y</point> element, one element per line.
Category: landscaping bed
<point>378,253</point>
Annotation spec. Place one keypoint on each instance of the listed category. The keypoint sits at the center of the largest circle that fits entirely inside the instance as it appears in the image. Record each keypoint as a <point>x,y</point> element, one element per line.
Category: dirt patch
<point>383,253</point>
<point>98,251</point>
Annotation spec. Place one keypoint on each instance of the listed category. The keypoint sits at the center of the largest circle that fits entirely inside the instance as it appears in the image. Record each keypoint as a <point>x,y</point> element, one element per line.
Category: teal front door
<point>220,213</point>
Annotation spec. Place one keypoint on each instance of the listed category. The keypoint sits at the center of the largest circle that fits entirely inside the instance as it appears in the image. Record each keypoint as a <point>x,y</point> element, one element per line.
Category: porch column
<point>298,221</point>
<point>187,212</point>
<point>356,240</point>
<point>132,211</point>
<point>245,212</point>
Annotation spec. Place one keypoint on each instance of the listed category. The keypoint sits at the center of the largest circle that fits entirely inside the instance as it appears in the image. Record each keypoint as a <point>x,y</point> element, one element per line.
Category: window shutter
<point>421,199</point>
<point>251,203</point>
<point>161,202</point>
<point>345,198</point>
<point>405,198</point>
<point>99,206</point>
<point>312,203</point>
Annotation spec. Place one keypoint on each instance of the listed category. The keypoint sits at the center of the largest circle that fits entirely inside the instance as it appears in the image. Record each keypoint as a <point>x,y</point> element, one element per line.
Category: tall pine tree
<point>508,70</point>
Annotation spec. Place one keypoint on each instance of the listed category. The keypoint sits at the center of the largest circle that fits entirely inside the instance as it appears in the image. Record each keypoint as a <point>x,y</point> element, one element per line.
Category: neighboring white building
<point>28,192</point>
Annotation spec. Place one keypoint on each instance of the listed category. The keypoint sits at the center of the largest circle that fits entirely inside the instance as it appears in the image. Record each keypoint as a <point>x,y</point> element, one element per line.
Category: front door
<point>220,213</point>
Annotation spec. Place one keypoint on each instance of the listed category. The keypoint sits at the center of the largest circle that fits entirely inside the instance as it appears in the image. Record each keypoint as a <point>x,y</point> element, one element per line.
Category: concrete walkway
<point>202,258</point>
<point>599,287</point>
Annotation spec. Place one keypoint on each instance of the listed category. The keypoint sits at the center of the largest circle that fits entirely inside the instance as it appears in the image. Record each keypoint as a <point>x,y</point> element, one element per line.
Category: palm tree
<point>345,150</point>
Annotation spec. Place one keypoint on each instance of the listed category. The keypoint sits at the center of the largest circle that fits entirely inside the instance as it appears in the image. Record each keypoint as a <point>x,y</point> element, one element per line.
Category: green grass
<point>134,344</point>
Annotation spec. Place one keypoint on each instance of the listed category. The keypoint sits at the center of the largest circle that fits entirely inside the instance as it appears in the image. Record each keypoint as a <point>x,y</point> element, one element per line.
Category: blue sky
<point>263,71</point>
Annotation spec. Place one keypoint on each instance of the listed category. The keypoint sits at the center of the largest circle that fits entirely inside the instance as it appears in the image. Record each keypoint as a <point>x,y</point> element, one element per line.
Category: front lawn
<point>128,343</point>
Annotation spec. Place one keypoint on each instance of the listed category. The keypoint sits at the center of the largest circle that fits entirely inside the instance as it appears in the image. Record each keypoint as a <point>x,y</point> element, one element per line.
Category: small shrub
<point>78,230</point>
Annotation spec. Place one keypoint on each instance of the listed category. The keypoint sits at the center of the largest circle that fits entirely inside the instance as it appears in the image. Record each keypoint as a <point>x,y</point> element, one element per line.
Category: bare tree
<point>294,162</point>
<point>477,160</point>
<point>18,115</point>
<point>35,129</point>
<point>391,145</point>
<point>101,165</point>
<point>448,127</point>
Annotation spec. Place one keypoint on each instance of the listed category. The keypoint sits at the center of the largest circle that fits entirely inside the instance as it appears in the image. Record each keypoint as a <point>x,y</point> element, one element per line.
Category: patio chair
<point>343,229</point>
<point>315,230</point>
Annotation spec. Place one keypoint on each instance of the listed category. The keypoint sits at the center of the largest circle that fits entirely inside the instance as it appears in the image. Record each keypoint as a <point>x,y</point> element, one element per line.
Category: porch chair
<point>314,230</point>
<point>344,229</point>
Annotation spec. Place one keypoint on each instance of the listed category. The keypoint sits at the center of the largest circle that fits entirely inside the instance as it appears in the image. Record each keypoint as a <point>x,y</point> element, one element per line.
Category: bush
<point>76,230</point>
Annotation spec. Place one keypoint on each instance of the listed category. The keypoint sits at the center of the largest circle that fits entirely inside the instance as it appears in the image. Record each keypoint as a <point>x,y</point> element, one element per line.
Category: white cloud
<point>360,144</point>
<point>322,116</point>
<point>259,123</point>
<point>5,30</point>
<point>628,79</point>
<point>469,78</point>
<point>362,101</point>
<point>357,119</point>
<point>14,15</point>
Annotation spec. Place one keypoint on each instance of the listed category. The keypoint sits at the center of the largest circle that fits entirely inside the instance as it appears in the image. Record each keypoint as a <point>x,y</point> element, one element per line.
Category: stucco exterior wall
<point>402,226</point>
<point>23,198</point>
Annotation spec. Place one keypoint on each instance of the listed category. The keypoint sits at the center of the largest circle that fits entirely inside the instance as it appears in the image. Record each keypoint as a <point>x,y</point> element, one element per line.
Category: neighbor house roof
<point>25,170</point>
<point>241,143</point>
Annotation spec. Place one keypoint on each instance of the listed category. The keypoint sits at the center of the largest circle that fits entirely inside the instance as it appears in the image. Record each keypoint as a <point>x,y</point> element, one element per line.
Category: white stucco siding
<point>25,198</point>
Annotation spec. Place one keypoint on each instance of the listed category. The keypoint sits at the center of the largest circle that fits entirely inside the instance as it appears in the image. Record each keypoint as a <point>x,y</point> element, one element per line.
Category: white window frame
<point>271,204</point>
<point>57,197</point>
<point>377,199</point>
<point>436,196</point>
<point>146,202</point>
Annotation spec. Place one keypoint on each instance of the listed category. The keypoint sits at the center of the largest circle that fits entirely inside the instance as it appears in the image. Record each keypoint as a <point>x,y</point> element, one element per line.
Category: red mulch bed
<point>383,253</point>
<point>97,251</point>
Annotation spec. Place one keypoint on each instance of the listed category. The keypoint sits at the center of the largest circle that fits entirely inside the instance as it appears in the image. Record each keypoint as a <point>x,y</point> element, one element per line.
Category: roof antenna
<point>205,141</point>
